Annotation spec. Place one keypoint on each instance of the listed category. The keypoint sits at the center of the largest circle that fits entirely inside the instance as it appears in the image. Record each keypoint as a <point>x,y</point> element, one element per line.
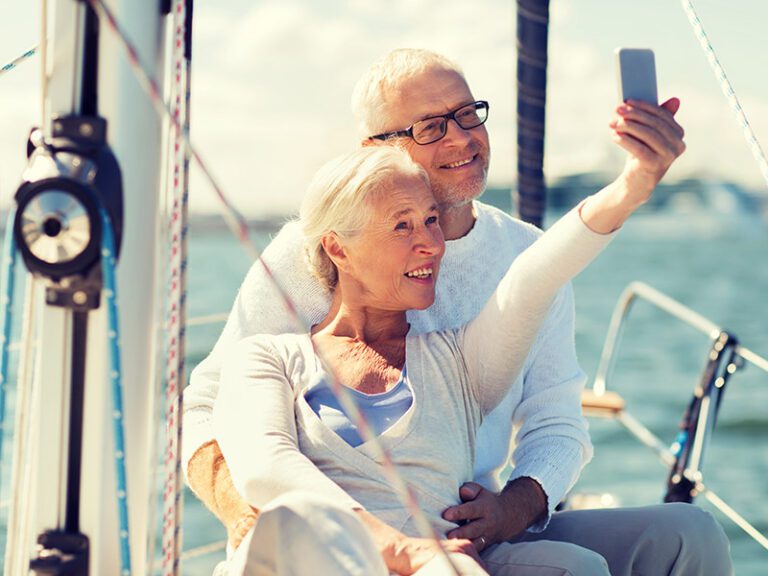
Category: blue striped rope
<point>14,63</point>
<point>115,376</point>
<point>725,86</point>
<point>6,301</point>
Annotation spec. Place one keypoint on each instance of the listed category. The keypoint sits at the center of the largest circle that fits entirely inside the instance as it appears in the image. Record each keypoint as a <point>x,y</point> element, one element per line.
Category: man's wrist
<point>524,502</point>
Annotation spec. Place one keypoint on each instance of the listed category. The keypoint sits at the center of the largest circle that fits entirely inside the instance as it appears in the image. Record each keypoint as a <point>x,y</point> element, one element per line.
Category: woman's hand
<point>653,141</point>
<point>410,554</point>
<point>405,555</point>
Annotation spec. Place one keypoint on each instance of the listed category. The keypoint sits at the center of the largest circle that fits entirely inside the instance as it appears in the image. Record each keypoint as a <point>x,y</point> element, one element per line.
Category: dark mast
<point>532,29</point>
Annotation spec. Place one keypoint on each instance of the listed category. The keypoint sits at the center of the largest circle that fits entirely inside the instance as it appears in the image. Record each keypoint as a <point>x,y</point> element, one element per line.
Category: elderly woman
<point>373,237</point>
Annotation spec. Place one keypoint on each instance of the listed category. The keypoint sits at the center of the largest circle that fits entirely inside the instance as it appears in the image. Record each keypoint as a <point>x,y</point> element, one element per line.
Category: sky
<point>272,81</point>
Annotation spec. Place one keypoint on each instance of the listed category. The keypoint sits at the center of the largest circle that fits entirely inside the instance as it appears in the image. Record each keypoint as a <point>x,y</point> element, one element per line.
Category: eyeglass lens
<point>432,129</point>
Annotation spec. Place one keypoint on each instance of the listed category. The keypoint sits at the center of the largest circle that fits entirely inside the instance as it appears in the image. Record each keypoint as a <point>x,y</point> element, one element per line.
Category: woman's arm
<point>497,341</point>
<point>254,424</point>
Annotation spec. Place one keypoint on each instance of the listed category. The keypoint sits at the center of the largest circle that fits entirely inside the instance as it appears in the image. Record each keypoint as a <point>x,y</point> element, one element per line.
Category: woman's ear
<point>335,250</point>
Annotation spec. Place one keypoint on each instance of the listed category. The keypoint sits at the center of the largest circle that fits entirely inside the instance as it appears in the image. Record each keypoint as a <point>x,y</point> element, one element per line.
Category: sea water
<point>714,264</point>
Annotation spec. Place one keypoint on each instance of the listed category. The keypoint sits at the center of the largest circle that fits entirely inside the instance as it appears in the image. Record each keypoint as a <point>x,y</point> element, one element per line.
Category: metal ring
<point>482,541</point>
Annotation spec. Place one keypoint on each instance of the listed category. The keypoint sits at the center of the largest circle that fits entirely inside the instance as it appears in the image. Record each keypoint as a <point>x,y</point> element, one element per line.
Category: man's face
<point>457,164</point>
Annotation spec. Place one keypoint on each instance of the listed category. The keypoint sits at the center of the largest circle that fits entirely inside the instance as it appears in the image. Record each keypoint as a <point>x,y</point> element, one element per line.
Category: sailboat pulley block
<point>69,178</point>
<point>61,554</point>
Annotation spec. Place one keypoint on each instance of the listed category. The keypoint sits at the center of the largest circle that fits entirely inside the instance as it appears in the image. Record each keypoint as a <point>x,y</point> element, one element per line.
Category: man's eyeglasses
<point>434,128</point>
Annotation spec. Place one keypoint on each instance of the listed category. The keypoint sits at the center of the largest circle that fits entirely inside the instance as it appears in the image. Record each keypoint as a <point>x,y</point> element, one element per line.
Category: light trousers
<point>302,535</point>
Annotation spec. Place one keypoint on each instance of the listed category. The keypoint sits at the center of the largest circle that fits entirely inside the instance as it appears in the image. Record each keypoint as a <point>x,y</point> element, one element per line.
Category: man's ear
<point>335,249</point>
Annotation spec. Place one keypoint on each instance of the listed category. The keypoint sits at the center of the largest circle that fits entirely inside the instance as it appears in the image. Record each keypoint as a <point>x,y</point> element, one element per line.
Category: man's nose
<point>456,134</point>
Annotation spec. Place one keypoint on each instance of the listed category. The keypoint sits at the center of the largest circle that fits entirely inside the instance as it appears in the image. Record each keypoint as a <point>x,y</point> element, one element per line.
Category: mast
<point>87,75</point>
<point>532,33</point>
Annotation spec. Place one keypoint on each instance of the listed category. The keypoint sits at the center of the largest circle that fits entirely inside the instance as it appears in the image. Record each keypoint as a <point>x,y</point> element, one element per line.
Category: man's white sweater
<point>544,423</point>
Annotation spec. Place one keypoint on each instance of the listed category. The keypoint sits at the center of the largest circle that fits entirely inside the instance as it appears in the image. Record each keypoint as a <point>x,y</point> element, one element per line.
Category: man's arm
<point>548,419</point>
<point>209,473</point>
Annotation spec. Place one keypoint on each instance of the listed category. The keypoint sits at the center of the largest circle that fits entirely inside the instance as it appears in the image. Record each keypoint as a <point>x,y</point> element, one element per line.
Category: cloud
<point>272,81</point>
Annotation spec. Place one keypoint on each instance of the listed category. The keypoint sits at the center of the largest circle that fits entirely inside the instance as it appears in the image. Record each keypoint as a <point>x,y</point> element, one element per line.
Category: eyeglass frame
<point>408,132</point>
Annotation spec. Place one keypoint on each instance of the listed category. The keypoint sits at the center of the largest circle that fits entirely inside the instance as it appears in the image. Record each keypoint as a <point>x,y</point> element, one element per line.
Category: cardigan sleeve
<point>259,308</point>
<point>496,343</point>
<point>254,424</point>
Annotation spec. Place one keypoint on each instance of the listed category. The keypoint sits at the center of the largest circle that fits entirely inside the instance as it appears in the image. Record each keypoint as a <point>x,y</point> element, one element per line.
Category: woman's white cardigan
<point>274,443</point>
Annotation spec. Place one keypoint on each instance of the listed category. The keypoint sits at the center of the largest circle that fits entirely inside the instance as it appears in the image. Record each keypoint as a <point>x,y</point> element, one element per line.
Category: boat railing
<point>685,456</point>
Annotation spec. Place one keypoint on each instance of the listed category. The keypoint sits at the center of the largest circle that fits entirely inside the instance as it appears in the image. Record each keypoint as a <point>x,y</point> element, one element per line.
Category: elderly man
<point>421,100</point>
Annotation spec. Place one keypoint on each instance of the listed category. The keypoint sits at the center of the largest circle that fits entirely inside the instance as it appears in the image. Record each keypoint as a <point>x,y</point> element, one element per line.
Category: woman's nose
<point>431,241</point>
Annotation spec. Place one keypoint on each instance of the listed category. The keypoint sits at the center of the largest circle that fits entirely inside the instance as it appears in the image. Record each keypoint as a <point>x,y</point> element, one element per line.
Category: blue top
<point>380,410</point>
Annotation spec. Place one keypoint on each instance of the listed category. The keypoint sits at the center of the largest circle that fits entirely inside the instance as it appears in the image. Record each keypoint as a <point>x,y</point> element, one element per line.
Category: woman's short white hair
<point>371,93</point>
<point>340,196</point>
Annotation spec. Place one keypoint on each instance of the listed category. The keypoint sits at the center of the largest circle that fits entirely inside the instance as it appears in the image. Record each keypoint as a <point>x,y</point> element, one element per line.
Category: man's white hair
<point>340,196</point>
<point>372,91</point>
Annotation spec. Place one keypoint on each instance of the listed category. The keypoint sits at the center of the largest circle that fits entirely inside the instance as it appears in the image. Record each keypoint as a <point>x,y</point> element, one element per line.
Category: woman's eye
<point>431,220</point>
<point>401,226</point>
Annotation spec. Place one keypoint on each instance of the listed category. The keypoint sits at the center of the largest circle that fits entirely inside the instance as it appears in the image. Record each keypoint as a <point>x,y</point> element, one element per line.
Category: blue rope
<point>115,376</point>
<point>6,302</point>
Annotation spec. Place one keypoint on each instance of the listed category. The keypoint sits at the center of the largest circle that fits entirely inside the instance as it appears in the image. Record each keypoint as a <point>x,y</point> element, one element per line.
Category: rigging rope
<point>115,377</point>
<point>236,222</point>
<point>725,86</point>
<point>177,294</point>
<point>239,226</point>
<point>15,62</point>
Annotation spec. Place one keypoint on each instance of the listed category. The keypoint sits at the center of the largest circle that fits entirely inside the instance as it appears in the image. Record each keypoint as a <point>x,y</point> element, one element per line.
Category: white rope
<point>208,319</point>
<point>176,313</point>
<point>44,56</point>
<point>725,86</point>
<point>204,550</point>
<point>16,61</point>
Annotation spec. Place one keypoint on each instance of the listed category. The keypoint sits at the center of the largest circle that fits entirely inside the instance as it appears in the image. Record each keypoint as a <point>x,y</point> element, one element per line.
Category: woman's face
<point>393,263</point>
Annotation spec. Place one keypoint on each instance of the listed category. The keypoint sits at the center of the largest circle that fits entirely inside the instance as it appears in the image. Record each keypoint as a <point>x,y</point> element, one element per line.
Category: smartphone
<point>636,69</point>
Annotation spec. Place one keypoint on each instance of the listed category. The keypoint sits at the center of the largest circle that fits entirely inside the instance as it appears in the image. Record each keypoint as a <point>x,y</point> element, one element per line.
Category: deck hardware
<point>700,418</point>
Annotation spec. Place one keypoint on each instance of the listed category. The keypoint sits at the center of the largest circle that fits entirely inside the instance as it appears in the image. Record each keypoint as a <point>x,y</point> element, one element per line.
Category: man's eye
<point>401,226</point>
<point>428,127</point>
<point>431,220</point>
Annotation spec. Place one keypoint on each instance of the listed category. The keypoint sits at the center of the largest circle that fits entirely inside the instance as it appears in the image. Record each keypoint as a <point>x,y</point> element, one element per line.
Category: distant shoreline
<point>561,194</point>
